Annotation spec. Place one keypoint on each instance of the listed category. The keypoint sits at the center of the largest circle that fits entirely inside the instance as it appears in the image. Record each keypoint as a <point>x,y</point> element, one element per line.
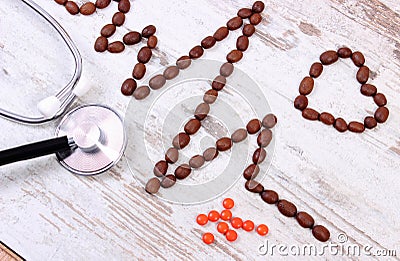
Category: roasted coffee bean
<point>124,6</point>
<point>242,43</point>
<point>344,52</point>
<point>210,154</point>
<point>259,156</point>
<point>287,208</point>
<point>224,144</point>
<point>183,171</point>
<point>358,59</point>
<point>270,196</point>
<point>244,13</point>
<point>108,30</point>
<point>139,71</point>
<point>87,8</point>
<point>306,85</point>
<point>157,82</point>
<point>305,220</point>
<point>128,87</point>
<point>381,114</point>
<point>132,38</point>
<point>72,7</point>
<point>226,69</point>
<point>327,118</point>
<point>172,155</point>
<point>321,233</point>
<point>171,72</point>
<point>301,102</point>
<point>316,70</point>
<point>380,99</point>
<point>269,121</point>
<point>210,96</point>
<point>141,92</point>
<point>161,168</point>
<point>340,125</point>
<point>102,3</point>
<point>356,127</point>
<point>219,83</point>
<point>363,74</point>
<point>196,52</point>
<point>370,122</point>
<point>116,47</point>
<point>253,126</point>
<point>251,172</point>
<point>152,42</point>
<point>264,138</point>
<point>101,44</point>
<point>255,19</point>
<point>221,33</point>
<point>310,114</point>
<point>61,2</point>
<point>258,7</point>
<point>254,186</point>
<point>192,126</point>
<point>168,181</point>
<point>196,161</point>
<point>239,135</point>
<point>181,140</point>
<point>234,23</point>
<point>368,90</point>
<point>208,42</point>
<point>144,55</point>
<point>118,19</point>
<point>149,31</point>
<point>153,186</point>
<point>248,30</point>
<point>329,57</point>
<point>202,111</point>
<point>183,62</point>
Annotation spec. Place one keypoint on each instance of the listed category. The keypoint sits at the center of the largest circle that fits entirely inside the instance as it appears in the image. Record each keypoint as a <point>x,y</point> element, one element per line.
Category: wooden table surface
<point>348,182</point>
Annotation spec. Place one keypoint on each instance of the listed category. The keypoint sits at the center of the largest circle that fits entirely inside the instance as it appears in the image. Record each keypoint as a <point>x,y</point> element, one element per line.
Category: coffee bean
<point>380,99</point>
<point>196,52</point>
<point>183,171</point>
<point>139,71</point>
<point>316,70</point>
<point>344,52</point>
<point>321,233</point>
<point>87,8</point>
<point>208,42</point>
<point>72,7</point>
<point>226,69</point>
<point>270,196</point>
<point>251,172</point>
<point>153,186</point>
<point>152,42</point>
<point>269,121</point>
<point>219,83</point>
<point>340,125</point>
<point>172,155</point>
<point>381,114</point>
<point>259,156</point>
<point>264,138</point>
<point>183,62</point>
<point>239,135</point>
<point>141,92</point>
<point>168,181</point>
<point>363,74</point>
<point>253,126</point>
<point>196,161</point>
<point>287,208</point>
<point>368,90</point>
<point>370,122</point>
<point>224,144</point>
<point>327,118</point>
<point>234,23</point>
<point>157,82</point>
<point>242,43</point>
<point>221,33</point>
<point>128,87</point>
<point>181,140</point>
<point>305,220</point>
<point>124,6</point>
<point>202,111</point>
<point>244,13</point>
<point>118,19</point>
<point>210,96</point>
<point>356,127</point>
<point>192,126</point>
<point>160,169</point>
<point>101,44</point>
<point>61,2</point>
<point>149,31</point>
<point>171,72</point>
<point>210,154</point>
<point>132,38</point>
<point>329,57</point>
<point>254,186</point>
<point>144,55</point>
<point>116,47</point>
<point>108,30</point>
<point>310,114</point>
<point>255,19</point>
<point>306,85</point>
<point>102,3</point>
<point>358,59</point>
<point>258,7</point>
<point>248,30</point>
<point>301,102</point>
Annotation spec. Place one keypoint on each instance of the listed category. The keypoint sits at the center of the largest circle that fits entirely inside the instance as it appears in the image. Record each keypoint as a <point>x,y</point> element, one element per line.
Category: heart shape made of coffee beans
<point>307,84</point>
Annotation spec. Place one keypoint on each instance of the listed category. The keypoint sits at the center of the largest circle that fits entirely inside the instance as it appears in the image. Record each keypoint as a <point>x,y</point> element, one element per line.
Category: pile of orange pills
<point>228,224</point>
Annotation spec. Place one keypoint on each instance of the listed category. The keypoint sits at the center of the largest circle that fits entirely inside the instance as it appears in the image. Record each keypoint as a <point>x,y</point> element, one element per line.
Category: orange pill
<point>228,203</point>
<point>202,219</point>
<point>208,238</point>
<point>236,222</point>
<point>231,235</point>
<point>226,214</point>
<point>262,230</point>
<point>213,216</point>
<point>248,225</point>
<point>222,227</point>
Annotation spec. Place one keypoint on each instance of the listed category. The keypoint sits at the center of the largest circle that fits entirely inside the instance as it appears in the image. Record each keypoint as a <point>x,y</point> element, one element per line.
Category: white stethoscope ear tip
<point>81,88</point>
<point>49,106</point>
